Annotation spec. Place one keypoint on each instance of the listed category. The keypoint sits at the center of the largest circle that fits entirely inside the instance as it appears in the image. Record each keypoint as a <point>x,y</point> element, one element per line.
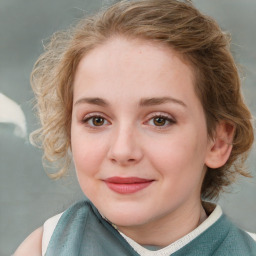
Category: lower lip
<point>124,188</point>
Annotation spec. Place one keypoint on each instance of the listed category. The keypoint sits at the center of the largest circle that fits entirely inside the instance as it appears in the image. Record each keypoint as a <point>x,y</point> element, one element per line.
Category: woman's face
<point>139,137</point>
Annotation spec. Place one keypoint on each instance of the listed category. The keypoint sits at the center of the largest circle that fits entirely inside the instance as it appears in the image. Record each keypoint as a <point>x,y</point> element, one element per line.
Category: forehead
<point>137,65</point>
<point>126,48</point>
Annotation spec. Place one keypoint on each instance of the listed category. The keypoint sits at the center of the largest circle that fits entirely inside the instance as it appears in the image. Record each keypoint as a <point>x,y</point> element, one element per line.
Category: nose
<point>125,147</point>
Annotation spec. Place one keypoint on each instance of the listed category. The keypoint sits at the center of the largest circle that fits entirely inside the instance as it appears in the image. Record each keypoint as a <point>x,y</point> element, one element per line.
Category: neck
<point>169,229</point>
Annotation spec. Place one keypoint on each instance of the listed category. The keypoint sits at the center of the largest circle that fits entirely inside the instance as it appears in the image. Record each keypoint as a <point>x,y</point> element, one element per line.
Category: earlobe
<point>220,146</point>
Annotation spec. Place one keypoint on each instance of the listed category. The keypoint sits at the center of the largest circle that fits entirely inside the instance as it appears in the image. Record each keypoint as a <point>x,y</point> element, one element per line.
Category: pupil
<point>159,121</point>
<point>98,121</point>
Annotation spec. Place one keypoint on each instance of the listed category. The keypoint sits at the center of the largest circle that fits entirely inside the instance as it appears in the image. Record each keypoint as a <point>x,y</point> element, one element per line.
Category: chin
<point>129,222</point>
<point>127,219</point>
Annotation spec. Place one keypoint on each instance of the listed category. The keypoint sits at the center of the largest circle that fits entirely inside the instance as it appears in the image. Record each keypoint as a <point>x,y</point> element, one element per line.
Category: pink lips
<point>127,185</point>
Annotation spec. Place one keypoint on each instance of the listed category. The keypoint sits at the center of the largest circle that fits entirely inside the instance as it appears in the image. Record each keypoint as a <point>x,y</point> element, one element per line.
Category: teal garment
<point>81,231</point>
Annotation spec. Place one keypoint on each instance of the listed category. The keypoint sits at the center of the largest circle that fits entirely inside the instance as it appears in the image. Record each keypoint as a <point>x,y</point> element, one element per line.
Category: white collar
<point>170,249</point>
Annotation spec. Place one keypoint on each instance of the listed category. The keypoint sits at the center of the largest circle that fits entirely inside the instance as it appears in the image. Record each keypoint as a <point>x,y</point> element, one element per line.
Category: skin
<point>126,142</point>
<point>125,134</point>
<point>32,245</point>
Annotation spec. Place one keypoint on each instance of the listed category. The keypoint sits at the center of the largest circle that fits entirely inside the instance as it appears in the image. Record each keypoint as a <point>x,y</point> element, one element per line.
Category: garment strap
<point>48,228</point>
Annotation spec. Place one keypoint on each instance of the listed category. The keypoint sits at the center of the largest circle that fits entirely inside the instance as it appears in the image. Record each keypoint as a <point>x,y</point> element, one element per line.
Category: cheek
<point>181,168</point>
<point>88,153</point>
<point>180,155</point>
<point>170,150</point>
<point>87,158</point>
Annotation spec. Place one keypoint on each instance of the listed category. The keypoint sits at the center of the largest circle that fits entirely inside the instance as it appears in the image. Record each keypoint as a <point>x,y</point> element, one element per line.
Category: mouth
<point>127,185</point>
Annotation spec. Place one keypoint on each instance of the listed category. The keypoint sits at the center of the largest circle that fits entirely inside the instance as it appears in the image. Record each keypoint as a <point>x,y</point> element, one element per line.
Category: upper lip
<point>127,180</point>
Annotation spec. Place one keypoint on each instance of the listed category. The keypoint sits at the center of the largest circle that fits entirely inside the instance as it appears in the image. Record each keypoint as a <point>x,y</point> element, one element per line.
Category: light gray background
<point>27,196</point>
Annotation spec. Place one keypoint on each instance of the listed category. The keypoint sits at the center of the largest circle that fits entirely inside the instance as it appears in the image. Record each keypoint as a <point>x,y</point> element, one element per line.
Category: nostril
<point>131,160</point>
<point>113,160</point>
<point>122,161</point>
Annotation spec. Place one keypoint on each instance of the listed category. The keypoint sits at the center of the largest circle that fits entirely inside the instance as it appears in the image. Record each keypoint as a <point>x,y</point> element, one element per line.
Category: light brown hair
<point>177,24</point>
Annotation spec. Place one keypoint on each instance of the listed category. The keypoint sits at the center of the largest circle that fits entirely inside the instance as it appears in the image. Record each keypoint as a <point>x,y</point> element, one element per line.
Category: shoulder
<point>37,242</point>
<point>32,245</point>
<point>237,242</point>
<point>61,221</point>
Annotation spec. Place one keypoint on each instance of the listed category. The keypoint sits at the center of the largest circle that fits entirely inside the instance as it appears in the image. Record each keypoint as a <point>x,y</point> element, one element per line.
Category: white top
<point>51,223</point>
<point>48,229</point>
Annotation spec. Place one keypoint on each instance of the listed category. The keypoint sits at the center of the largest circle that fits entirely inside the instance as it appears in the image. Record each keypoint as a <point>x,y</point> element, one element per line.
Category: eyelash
<point>90,117</point>
<point>166,118</point>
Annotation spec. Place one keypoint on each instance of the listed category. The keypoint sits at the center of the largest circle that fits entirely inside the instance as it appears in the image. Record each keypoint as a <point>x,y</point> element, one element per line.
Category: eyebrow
<point>159,101</point>
<point>143,102</point>
<point>93,101</point>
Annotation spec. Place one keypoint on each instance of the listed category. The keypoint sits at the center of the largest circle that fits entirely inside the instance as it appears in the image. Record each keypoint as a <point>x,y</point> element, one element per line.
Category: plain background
<point>27,196</point>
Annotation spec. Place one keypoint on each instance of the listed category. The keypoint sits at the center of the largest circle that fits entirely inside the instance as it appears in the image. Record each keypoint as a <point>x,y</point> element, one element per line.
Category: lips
<point>127,185</point>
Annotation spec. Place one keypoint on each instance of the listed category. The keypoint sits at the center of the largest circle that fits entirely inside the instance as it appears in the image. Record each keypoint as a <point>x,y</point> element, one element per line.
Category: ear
<point>220,146</point>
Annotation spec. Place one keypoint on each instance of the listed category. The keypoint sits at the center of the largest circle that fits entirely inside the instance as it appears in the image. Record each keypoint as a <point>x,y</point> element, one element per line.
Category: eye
<point>95,121</point>
<point>161,120</point>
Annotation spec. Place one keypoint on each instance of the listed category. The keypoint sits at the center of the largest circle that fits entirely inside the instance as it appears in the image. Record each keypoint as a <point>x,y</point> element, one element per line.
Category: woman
<point>146,97</point>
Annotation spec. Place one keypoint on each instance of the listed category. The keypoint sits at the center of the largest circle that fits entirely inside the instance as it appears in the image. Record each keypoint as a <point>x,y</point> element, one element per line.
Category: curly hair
<point>177,24</point>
